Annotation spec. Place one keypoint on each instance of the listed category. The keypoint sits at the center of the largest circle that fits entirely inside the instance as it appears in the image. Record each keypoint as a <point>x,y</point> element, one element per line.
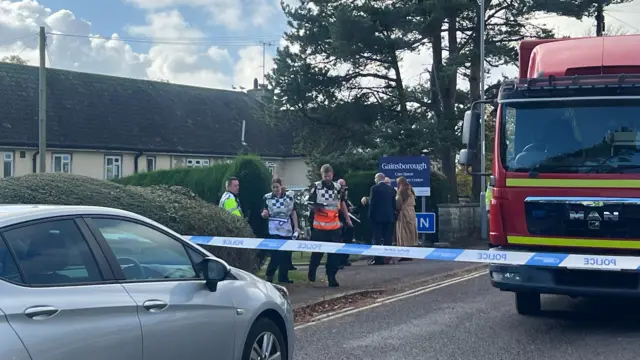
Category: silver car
<point>80,283</point>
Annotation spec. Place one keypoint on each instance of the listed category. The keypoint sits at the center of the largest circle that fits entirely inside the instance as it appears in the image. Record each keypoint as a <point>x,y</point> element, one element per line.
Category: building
<point>109,127</point>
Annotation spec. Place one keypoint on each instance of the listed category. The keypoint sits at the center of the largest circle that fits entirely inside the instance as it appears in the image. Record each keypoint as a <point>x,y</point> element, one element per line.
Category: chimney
<point>256,85</point>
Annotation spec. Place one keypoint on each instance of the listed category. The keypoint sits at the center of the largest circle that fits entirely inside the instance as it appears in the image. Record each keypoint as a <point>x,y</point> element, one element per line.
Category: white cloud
<point>219,54</point>
<point>250,65</point>
<point>178,61</point>
<point>229,13</point>
<point>193,63</point>
<point>618,21</point>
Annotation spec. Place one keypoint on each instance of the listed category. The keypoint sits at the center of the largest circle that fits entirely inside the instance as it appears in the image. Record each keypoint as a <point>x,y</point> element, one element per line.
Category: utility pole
<point>483,145</point>
<point>264,59</point>
<point>600,18</point>
<point>42,103</point>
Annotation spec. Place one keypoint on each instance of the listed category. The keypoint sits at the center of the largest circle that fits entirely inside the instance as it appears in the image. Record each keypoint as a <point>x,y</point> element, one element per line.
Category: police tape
<point>491,256</point>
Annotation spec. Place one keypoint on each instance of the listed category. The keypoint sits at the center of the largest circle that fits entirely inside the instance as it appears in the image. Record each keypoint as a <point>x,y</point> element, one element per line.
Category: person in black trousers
<point>279,210</point>
<point>382,213</point>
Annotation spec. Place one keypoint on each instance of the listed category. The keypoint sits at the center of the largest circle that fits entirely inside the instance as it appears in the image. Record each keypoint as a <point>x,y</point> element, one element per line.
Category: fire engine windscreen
<point>571,136</point>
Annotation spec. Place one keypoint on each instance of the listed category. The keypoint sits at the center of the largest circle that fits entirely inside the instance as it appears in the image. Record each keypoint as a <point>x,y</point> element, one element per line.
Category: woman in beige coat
<point>406,233</point>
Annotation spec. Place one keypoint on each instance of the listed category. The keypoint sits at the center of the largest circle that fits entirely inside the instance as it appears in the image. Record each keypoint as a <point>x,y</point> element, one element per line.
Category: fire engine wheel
<point>528,303</point>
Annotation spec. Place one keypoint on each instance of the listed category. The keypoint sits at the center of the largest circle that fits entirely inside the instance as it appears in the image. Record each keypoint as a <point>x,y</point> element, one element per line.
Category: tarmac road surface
<point>470,320</point>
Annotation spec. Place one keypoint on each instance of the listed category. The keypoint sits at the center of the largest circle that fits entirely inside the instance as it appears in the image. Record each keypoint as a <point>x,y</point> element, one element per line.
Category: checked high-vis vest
<point>327,217</point>
<point>280,209</point>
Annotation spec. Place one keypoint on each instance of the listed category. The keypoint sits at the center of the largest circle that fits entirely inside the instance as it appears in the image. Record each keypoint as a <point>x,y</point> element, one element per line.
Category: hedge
<point>255,181</point>
<point>175,207</point>
<point>359,185</point>
<point>206,182</point>
<point>209,184</point>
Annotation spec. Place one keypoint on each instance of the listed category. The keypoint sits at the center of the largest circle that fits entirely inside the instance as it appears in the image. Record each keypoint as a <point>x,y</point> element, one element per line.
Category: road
<point>470,320</point>
<point>361,276</point>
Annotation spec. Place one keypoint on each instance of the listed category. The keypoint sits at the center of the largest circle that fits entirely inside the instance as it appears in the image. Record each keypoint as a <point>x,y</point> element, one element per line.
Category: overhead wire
<point>11,41</point>
<point>205,41</point>
<point>608,13</point>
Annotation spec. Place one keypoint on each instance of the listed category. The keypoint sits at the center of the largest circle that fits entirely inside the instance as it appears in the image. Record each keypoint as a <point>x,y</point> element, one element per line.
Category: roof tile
<point>121,114</point>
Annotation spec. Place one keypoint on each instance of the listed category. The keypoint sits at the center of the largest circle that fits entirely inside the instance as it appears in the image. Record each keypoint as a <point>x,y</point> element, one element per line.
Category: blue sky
<point>223,37</point>
<point>231,55</point>
<point>113,16</point>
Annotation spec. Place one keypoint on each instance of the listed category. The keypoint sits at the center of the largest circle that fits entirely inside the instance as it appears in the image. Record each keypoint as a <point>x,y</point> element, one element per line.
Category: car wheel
<point>528,303</point>
<point>264,342</point>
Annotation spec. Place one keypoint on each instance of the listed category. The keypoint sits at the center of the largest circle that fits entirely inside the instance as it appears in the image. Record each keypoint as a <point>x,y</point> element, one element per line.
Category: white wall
<point>293,172</point>
<point>83,162</point>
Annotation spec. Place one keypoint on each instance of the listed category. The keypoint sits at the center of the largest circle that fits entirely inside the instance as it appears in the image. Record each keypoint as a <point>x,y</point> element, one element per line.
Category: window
<point>197,162</point>
<point>271,166</point>
<point>151,163</point>
<point>52,253</point>
<point>145,253</point>
<point>62,163</point>
<point>112,167</point>
<point>8,268</point>
<point>8,164</point>
<point>571,136</point>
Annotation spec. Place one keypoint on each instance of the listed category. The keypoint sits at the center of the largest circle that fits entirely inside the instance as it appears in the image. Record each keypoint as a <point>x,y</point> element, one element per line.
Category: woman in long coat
<point>406,233</point>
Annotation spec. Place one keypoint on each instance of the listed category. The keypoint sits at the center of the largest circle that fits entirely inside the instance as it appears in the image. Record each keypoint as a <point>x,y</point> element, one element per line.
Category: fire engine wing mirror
<point>470,126</point>
<point>465,158</point>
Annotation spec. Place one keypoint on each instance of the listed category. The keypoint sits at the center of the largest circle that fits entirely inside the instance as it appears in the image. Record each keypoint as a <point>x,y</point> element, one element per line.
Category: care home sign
<point>414,168</point>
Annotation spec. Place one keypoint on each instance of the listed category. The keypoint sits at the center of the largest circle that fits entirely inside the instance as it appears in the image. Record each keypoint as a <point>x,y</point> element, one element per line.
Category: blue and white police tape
<point>492,256</point>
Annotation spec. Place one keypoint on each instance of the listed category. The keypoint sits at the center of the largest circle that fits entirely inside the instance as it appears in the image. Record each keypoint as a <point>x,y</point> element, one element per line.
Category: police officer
<point>279,209</point>
<point>326,200</point>
<point>229,200</point>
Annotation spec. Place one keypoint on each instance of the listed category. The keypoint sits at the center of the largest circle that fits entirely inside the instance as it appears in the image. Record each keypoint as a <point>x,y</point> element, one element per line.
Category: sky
<point>207,43</point>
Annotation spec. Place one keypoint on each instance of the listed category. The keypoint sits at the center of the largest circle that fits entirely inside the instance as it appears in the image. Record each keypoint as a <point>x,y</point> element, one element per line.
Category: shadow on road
<point>608,315</point>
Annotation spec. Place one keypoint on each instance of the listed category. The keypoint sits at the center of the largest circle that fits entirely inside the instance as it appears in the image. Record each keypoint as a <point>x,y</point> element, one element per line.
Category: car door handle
<point>40,312</point>
<point>155,305</point>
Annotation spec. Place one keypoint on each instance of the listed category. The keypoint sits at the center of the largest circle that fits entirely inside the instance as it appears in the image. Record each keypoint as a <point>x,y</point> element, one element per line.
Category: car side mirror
<point>214,271</point>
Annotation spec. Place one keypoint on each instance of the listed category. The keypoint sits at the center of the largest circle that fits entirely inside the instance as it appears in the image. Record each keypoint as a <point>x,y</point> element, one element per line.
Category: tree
<point>345,81</point>
<point>14,59</point>
<point>610,30</point>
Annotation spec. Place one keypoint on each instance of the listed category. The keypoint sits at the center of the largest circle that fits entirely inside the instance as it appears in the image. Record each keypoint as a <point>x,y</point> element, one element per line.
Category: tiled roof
<point>89,111</point>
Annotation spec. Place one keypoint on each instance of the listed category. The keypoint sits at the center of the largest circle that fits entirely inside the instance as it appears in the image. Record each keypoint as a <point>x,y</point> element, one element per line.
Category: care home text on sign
<point>415,168</point>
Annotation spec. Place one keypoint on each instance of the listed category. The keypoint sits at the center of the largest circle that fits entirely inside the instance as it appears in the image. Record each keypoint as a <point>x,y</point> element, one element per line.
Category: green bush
<point>359,185</point>
<point>255,181</point>
<point>175,207</point>
<point>206,182</point>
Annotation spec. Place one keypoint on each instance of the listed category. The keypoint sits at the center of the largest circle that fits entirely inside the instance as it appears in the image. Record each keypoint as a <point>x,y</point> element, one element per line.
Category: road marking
<point>393,298</point>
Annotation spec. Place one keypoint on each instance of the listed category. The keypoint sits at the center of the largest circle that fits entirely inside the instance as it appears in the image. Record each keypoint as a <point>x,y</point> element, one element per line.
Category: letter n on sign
<point>426,223</point>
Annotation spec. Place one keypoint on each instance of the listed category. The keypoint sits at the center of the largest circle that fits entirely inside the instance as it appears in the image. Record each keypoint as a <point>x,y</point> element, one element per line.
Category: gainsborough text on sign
<point>414,168</point>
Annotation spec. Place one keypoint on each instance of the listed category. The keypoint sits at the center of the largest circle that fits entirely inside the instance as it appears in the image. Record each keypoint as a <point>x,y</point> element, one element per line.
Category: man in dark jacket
<point>382,210</point>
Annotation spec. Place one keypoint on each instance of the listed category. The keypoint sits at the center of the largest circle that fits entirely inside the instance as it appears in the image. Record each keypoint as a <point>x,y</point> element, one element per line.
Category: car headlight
<point>282,290</point>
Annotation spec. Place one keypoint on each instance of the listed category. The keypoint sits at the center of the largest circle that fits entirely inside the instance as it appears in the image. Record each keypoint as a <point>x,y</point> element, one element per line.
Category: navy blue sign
<point>414,168</point>
<point>426,223</point>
